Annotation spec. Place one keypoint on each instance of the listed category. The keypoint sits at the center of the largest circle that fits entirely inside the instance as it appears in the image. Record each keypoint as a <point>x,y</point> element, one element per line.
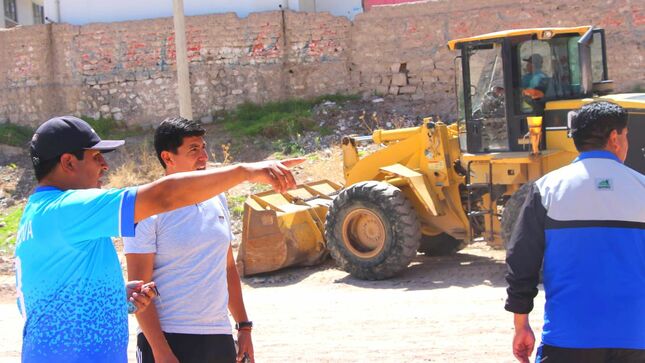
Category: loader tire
<point>440,245</point>
<point>372,230</point>
<point>512,210</point>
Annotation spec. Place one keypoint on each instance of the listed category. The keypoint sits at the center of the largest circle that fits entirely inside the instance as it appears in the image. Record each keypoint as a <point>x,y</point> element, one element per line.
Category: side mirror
<point>570,116</point>
<point>584,54</point>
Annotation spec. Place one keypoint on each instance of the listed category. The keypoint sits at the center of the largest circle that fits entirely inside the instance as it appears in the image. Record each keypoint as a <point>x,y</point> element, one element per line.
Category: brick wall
<point>127,70</point>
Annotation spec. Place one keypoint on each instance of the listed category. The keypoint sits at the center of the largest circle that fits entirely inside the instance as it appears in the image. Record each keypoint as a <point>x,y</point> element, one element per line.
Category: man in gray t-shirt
<point>188,253</point>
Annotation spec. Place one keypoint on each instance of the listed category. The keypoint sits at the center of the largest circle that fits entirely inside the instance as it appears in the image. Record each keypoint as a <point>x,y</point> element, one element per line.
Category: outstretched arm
<point>182,189</point>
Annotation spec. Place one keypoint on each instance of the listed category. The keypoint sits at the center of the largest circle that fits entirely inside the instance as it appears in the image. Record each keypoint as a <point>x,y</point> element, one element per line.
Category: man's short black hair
<point>592,125</point>
<point>171,132</point>
<point>42,168</point>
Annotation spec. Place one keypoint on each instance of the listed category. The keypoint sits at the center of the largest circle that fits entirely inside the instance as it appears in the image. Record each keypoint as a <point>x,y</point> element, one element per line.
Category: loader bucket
<point>285,229</point>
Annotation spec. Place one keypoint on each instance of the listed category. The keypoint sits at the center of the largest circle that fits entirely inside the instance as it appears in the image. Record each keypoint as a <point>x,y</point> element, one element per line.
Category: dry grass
<point>138,165</point>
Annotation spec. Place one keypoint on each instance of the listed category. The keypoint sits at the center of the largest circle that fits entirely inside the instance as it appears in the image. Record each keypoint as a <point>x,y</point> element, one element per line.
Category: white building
<point>79,12</point>
<point>21,12</point>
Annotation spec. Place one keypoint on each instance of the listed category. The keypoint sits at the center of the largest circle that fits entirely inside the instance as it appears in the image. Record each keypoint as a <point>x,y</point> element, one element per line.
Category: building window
<point>39,14</point>
<point>10,11</point>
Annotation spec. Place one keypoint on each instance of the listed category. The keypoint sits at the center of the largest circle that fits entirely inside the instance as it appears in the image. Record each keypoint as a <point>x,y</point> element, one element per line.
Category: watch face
<point>244,324</point>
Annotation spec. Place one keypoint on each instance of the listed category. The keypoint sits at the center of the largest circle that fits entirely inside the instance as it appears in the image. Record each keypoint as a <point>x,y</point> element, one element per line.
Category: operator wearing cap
<point>534,77</point>
<point>585,223</point>
<point>70,288</point>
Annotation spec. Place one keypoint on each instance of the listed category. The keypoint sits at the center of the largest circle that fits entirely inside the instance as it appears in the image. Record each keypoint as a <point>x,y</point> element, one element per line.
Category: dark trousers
<point>551,354</point>
<point>192,348</point>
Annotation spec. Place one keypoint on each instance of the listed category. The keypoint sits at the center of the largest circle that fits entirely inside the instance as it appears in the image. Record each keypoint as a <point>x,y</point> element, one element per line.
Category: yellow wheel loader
<point>436,187</point>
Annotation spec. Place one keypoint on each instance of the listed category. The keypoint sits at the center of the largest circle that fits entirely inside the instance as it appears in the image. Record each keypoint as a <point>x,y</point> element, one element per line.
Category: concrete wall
<point>2,24</point>
<point>80,12</point>
<point>127,70</point>
<point>24,10</point>
<point>371,3</point>
<point>348,8</point>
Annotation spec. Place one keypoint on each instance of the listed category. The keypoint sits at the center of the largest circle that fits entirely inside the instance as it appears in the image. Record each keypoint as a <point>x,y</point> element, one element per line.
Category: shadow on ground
<point>463,269</point>
<point>427,273</point>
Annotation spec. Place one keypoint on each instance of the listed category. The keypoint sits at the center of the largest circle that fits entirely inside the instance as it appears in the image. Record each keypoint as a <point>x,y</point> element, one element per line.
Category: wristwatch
<point>243,324</point>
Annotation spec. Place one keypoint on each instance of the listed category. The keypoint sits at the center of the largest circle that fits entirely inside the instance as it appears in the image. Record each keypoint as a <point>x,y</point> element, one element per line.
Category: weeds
<point>288,147</point>
<point>282,122</point>
<point>15,135</point>
<point>140,167</point>
<point>236,205</point>
<point>372,124</point>
<point>398,122</point>
<point>227,155</point>
<point>9,228</point>
<point>278,120</point>
<point>273,120</point>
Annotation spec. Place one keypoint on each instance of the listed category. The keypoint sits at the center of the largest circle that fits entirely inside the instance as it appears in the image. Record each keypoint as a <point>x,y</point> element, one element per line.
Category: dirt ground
<point>441,309</point>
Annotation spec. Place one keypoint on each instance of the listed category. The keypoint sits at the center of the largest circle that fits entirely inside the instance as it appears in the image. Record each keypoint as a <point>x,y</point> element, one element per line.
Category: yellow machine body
<point>420,161</point>
<point>281,230</point>
<point>453,191</point>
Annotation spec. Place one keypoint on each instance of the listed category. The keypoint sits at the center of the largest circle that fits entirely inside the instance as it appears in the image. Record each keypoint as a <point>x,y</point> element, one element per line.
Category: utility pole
<point>183,76</point>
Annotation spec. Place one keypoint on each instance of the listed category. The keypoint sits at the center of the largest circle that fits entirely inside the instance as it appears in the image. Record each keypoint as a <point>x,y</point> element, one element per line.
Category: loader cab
<point>502,78</point>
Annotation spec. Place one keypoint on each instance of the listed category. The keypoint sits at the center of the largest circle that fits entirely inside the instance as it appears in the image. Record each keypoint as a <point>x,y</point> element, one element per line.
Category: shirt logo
<point>604,184</point>
<point>24,233</point>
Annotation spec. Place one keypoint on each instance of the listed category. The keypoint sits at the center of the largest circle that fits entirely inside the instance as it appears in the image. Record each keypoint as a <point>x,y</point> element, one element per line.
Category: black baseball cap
<point>66,134</point>
<point>534,59</point>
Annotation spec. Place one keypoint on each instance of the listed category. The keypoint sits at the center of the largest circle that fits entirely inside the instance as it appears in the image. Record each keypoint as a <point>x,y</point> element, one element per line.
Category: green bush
<point>274,119</point>
<point>288,147</point>
<point>236,204</point>
<point>9,222</point>
<point>15,135</point>
<point>278,120</point>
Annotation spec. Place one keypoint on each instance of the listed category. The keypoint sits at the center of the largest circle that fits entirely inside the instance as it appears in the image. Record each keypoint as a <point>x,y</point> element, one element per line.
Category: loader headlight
<point>547,34</point>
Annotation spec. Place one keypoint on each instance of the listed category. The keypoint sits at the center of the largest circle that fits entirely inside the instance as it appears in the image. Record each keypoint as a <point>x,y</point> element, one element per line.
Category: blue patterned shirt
<point>70,286</point>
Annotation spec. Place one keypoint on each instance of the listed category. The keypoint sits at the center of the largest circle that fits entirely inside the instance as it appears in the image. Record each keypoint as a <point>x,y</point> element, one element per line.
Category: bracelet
<point>244,325</point>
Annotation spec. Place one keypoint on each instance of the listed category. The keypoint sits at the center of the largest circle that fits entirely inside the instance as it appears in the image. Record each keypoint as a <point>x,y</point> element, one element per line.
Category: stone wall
<point>127,70</point>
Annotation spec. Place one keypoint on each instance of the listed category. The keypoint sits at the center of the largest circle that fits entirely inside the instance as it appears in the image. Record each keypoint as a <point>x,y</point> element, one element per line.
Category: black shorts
<point>551,354</point>
<point>192,348</point>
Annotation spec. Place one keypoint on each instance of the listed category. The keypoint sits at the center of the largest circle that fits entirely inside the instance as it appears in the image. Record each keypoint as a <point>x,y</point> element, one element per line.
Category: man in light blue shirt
<point>68,278</point>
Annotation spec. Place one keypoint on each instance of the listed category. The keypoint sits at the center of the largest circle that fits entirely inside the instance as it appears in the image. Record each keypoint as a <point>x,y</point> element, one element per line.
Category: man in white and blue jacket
<point>584,224</point>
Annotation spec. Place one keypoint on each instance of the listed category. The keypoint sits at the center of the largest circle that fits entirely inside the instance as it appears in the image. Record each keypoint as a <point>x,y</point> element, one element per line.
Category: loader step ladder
<point>470,187</point>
